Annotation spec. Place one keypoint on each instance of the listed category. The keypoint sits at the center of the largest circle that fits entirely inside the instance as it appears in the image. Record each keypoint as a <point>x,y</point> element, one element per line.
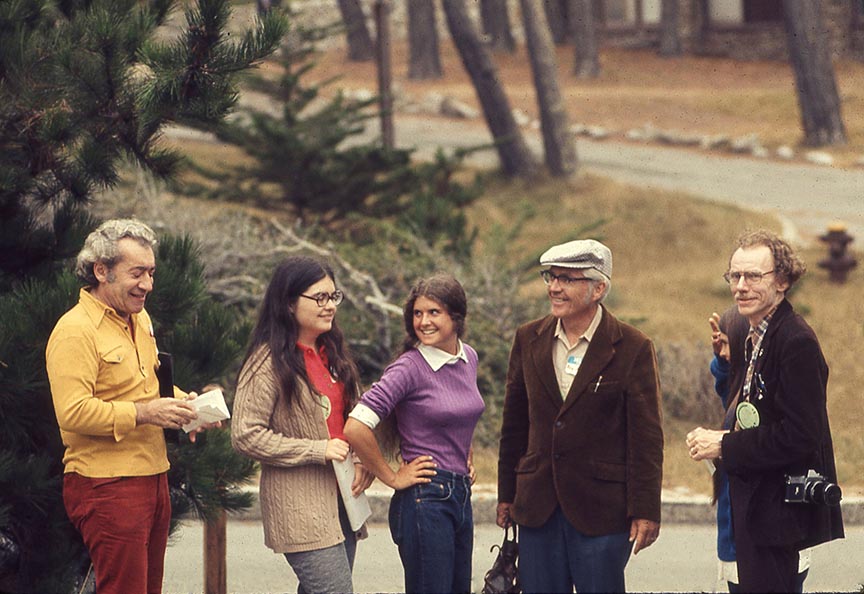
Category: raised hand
<point>719,340</point>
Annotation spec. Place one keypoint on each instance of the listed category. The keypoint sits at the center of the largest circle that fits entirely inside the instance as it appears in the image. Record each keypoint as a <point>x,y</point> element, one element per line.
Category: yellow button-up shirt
<point>99,369</point>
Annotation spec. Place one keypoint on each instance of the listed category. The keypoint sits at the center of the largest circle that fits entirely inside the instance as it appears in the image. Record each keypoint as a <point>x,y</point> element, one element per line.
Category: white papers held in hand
<point>357,507</point>
<point>210,407</point>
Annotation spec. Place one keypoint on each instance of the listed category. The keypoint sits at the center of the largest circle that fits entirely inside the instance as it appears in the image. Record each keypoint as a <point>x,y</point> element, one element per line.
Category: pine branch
<point>376,299</point>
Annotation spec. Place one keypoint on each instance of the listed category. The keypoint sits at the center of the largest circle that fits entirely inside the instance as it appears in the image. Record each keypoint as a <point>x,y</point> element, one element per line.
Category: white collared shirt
<point>436,358</point>
<point>567,358</point>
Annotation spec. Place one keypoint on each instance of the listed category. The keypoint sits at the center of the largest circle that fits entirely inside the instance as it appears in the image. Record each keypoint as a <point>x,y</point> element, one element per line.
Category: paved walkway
<point>682,560</point>
<point>807,197</point>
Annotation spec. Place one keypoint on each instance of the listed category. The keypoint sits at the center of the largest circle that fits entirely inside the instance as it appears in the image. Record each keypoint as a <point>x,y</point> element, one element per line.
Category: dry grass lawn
<point>670,252</point>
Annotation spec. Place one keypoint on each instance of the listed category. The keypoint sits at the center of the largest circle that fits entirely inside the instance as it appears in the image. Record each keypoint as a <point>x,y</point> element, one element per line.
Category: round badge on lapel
<point>747,415</point>
<point>326,405</point>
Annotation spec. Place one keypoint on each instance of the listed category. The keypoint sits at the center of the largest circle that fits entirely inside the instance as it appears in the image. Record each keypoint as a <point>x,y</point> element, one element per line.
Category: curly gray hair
<point>101,246</point>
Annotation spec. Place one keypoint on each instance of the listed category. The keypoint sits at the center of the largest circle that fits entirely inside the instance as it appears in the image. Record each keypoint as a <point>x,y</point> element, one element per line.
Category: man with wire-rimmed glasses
<point>778,454</point>
<point>581,450</point>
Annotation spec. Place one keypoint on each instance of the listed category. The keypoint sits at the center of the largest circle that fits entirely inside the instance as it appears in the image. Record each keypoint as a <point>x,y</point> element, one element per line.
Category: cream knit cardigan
<point>298,489</point>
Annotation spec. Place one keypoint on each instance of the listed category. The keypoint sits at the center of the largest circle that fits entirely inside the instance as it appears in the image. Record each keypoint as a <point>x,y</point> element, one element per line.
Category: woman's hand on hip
<point>417,471</point>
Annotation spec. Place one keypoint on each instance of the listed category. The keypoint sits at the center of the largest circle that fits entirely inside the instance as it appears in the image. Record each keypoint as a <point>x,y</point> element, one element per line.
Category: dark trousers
<point>799,584</point>
<point>124,522</point>
<point>433,526</point>
<point>761,568</point>
<point>556,557</point>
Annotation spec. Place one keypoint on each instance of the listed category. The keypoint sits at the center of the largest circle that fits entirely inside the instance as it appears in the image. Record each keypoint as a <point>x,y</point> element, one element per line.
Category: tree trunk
<point>496,25</point>
<point>215,554</point>
<point>556,16</point>
<point>424,59</point>
<point>265,6</point>
<point>586,61</point>
<point>516,158</point>
<point>385,72</point>
<point>360,46</point>
<point>558,144</point>
<point>810,55</point>
<point>670,40</point>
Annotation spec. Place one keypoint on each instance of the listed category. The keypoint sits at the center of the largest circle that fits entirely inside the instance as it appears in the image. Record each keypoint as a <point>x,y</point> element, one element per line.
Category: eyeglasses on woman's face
<point>322,298</point>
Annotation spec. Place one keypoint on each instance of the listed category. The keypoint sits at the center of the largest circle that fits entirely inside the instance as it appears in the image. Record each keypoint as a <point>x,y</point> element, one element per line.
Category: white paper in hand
<point>210,407</point>
<point>357,507</point>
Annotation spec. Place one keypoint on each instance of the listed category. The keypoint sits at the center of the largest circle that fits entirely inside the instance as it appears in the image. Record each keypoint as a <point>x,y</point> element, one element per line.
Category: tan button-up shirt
<point>567,358</point>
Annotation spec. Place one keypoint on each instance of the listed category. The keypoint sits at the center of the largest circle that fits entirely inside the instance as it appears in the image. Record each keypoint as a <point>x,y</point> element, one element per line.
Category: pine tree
<point>310,161</point>
<point>300,159</point>
<point>86,86</point>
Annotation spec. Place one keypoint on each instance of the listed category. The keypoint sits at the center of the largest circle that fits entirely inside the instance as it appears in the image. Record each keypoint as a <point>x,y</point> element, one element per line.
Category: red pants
<point>124,522</point>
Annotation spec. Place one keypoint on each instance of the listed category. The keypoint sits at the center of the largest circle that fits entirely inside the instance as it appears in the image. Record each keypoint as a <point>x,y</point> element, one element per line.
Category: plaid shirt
<point>753,346</point>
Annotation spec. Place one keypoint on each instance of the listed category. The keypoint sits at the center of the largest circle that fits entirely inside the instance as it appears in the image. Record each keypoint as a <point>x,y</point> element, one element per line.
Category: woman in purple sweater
<point>431,389</point>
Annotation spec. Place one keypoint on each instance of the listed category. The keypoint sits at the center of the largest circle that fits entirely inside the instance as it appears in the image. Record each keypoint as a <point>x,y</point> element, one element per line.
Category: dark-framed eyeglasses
<point>751,277</point>
<point>564,280</point>
<point>322,298</point>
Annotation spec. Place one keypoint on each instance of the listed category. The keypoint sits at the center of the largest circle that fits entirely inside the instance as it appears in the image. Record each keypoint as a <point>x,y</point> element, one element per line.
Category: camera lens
<point>824,493</point>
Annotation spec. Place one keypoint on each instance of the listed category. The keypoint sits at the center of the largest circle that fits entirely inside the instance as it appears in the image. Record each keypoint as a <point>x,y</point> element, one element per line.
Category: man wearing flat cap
<point>581,451</point>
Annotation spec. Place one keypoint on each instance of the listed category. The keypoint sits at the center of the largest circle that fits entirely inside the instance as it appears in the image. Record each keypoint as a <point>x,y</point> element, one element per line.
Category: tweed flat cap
<point>582,253</point>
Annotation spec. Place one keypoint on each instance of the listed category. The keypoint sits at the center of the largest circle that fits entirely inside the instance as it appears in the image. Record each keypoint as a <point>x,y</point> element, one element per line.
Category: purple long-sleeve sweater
<point>436,411</point>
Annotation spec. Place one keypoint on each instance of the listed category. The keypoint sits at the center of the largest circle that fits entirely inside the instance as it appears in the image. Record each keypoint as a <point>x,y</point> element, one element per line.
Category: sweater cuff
<point>318,448</point>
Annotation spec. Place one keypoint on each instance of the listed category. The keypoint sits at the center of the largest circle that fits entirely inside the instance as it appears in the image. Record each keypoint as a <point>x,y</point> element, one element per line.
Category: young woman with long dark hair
<point>294,391</point>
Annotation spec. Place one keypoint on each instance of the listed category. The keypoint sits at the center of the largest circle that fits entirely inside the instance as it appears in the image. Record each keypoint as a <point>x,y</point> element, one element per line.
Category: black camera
<point>812,488</point>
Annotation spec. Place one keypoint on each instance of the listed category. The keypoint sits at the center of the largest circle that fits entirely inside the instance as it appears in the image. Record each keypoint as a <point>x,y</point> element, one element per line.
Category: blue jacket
<point>725,540</point>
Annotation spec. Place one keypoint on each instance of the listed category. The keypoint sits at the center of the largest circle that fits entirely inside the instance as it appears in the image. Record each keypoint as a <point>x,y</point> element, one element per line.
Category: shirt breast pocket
<point>113,366</point>
<point>113,355</point>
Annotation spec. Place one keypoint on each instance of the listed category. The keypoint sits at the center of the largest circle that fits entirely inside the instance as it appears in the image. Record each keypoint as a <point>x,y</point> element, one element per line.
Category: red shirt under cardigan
<point>324,384</point>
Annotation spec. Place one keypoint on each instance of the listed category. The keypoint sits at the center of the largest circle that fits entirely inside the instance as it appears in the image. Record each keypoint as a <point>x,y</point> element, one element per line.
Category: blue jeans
<point>433,527</point>
<point>329,569</point>
<point>556,557</point>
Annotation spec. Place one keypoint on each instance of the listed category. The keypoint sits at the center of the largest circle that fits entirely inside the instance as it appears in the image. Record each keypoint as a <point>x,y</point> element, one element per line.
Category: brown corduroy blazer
<point>599,452</point>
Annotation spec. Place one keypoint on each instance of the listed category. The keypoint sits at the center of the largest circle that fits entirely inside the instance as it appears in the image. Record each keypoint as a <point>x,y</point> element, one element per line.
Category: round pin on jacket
<point>747,415</point>
<point>326,405</point>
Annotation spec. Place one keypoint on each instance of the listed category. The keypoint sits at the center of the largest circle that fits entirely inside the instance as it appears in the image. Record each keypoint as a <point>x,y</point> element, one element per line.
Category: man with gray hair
<point>581,451</point>
<point>102,361</point>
